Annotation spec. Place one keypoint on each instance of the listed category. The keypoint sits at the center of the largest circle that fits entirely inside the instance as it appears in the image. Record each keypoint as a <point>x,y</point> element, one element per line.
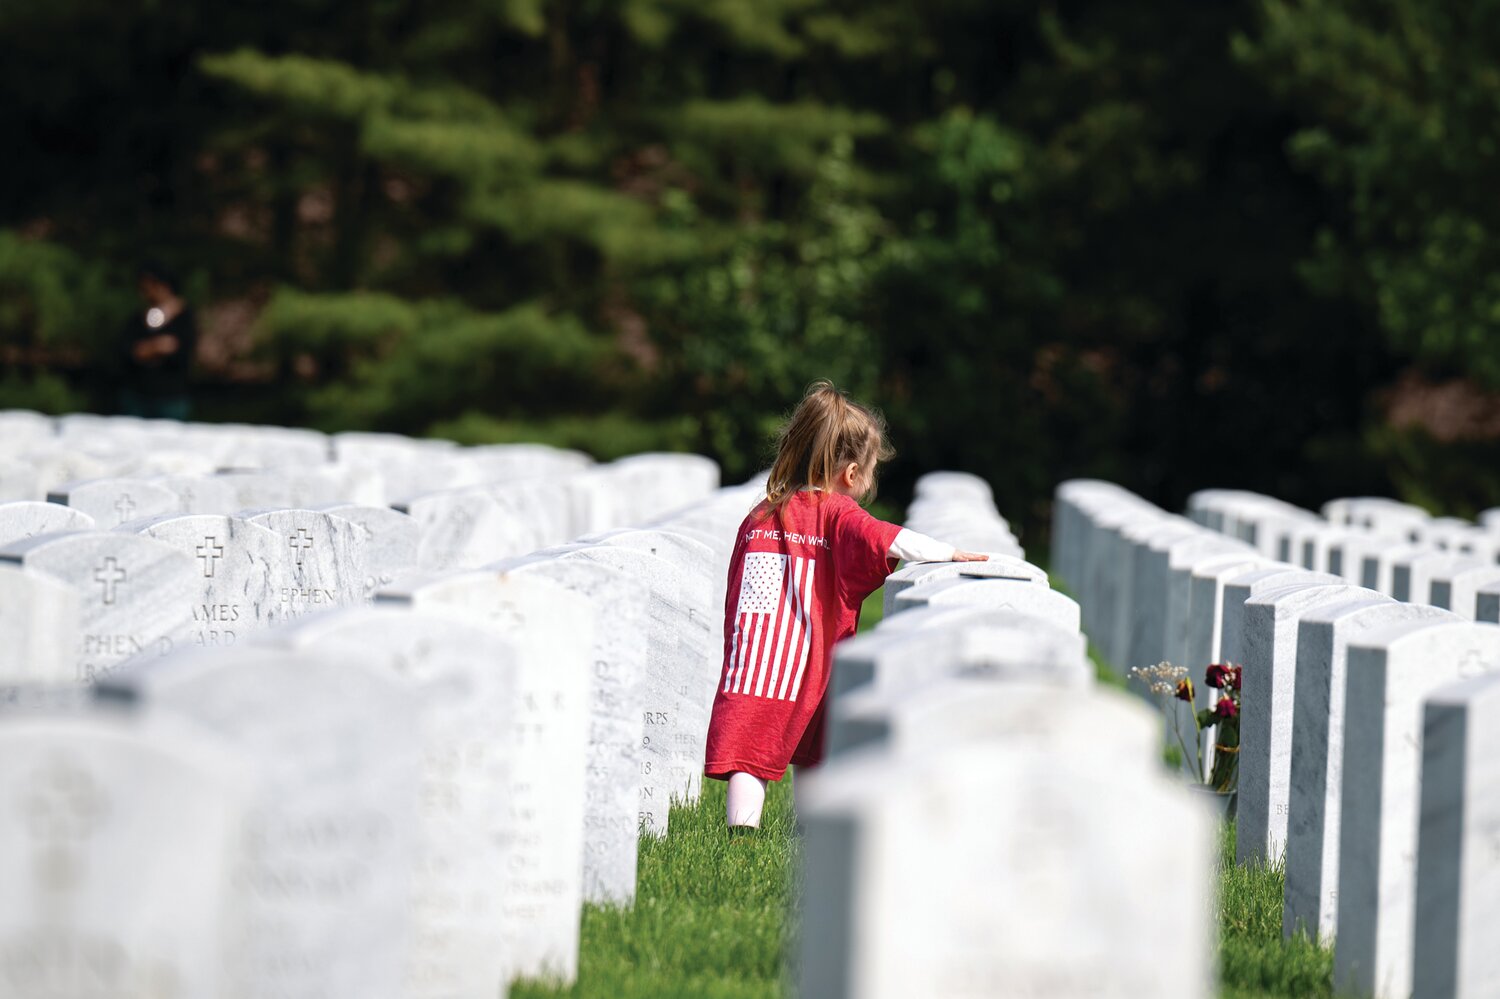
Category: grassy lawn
<point>714,919</point>
<point>715,914</point>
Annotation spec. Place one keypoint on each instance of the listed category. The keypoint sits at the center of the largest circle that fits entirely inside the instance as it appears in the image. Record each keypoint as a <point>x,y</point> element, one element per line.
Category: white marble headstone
<point>234,570</point>
<point>1458,844</point>
<point>616,718</point>
<point>136,594</point>
<point>998,567</point>
<point>27,519</point>
<point>552,630</point>
<point>119,837</point>
<point>988,869</point>
<point>112,502</point>
<point>40,621</point>
<point>1000,594</point>
<point>326,878</point>
<point>391,541</point>
<point>1390,672</point>
<point>1315,801</point>
<point>673,722</point>
<point>464,681</point>
<point>1269,645</point>
<point>322,561</point>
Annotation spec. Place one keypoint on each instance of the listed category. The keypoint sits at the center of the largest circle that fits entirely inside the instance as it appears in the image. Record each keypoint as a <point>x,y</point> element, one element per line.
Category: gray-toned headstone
<point>322,562</point>
<point>17,481</point>
<point>463,679</point>
<point>55,463</point>
<point>698,630</point>
<point>998,567</point>
<point>119,837</point>
<point>962,708</point>
<point>654,483</point>
<point>476,525</point>
<point>1000,594</point>
<point>21,427</point>
<point>201,493</point>
<point>326,877</point>
<point>675,722</point>
<point>1150,557</point>
<point>616,718</point>
<point>1269,644</point>
<point>1378,567</point>
<point>1118,566</point>
<point>391,541</point>
<point>136,594</point>
<point>1457,586</point>
<point>235,573</point>
<point>552,630</point>
<point>932,643</point>
<point>1412,577</point>
<point>27,519</point>
<point>1390,672</point>
<point>967,871</point>
<point>112,502</point>
<point>304,487</point>
<point>1458,844</point>
<point>409,466</point>
<point>1204,643</point>
<point>1347,553</point>
<point>1190,640</point>
<point>1316,800</point>
<point>40,621</point>
<point>241,446</point>
<point>1240,588</point>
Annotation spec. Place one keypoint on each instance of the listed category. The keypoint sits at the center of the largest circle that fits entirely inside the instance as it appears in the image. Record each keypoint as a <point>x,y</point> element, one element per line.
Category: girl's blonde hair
<point>826,433</point>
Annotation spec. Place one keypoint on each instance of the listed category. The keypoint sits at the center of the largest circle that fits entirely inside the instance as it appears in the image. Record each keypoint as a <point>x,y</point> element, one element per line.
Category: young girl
<point>805,560</point>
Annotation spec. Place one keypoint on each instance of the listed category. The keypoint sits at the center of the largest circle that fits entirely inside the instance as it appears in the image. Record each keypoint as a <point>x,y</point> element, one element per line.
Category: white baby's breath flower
<point>1161,679</point>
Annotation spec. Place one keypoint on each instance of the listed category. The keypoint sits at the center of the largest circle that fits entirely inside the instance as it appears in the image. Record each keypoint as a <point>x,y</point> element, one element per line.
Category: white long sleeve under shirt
<point>910,546</point>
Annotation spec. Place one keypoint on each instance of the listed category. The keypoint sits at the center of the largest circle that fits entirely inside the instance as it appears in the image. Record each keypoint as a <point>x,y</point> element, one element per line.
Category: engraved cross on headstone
<point>62,805</point>
<point>109,575</point>
<point>1472,665</point>
<point>300,543</point>
<point>210,552</point>
<point>125,506</point>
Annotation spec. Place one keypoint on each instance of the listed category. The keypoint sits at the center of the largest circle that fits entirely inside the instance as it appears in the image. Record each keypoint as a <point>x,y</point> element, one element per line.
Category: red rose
<point>1185,690</point>
<point>1215,675</point>
<point>1226,708</point>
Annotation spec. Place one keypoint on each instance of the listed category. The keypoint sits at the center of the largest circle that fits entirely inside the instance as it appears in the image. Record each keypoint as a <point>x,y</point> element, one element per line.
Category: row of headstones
<point>1380,544</point>
<point>959,508</point>
<point>410,799</point>
<point>76,603</point>
<point>1364,732</point>
<point>469,505</point>
<point>989,822</point>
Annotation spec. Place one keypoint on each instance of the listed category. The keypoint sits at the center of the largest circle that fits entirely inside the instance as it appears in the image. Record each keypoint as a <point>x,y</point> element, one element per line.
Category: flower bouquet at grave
<point>1171,683</point>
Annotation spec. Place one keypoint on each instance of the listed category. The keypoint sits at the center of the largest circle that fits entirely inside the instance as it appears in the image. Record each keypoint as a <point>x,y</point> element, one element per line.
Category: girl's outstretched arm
<point>911,546</point>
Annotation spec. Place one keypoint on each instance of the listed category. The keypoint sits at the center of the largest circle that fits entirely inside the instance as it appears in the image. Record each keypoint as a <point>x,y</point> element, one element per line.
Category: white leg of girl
<point>747,795</point>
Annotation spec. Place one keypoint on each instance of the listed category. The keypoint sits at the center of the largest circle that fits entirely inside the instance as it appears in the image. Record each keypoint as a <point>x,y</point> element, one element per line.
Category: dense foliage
<point>1172,243</point>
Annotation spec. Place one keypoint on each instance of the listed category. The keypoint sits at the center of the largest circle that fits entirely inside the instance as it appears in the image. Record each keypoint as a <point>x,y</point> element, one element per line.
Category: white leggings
<point>747,795</point>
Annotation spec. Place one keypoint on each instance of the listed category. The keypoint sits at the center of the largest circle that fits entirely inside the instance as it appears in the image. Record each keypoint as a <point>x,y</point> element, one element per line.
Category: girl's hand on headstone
<point>959,556</point>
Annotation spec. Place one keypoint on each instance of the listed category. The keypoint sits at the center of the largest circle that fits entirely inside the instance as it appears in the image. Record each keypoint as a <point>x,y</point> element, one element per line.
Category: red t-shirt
<point>796,582</point>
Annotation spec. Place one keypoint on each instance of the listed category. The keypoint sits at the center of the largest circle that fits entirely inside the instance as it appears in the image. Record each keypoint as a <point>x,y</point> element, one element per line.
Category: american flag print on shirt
<point>772,626</point>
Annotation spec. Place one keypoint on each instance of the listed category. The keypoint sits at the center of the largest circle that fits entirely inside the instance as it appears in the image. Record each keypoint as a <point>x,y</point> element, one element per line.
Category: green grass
<point>1255,961</point>
<point>714,918</point>
<point>715,914</point>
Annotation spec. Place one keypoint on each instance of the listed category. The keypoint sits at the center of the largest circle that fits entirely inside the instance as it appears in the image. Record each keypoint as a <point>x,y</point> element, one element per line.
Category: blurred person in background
<point>159,342</point>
